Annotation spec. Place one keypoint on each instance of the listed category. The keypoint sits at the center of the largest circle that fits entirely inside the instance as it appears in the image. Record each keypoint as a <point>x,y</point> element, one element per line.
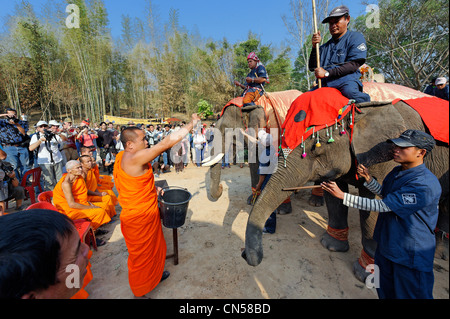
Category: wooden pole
<point>319,81</point>
<point>301,187</point>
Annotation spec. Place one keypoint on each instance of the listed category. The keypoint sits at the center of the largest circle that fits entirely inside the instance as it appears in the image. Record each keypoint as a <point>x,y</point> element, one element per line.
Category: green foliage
<point>204,109</point>
<point>411,45</point>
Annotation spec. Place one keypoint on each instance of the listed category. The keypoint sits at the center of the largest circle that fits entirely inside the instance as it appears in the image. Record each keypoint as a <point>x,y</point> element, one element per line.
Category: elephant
<point>378,122</point>
<point>270,113</point>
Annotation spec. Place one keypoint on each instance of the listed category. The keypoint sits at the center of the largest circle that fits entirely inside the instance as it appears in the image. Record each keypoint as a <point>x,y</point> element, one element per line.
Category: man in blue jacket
<point>340,57</point>
<point>408,215</point>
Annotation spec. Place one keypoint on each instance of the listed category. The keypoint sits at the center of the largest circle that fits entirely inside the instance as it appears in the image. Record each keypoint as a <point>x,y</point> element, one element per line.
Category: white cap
<point>264,137</point>
<point>41,123</point>
<point>54,123</point>
<point>440,81</point>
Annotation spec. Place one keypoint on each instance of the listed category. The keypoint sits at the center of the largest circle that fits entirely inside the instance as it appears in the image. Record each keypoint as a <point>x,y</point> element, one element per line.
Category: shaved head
<point>71,164</point>
<point>84,158</point>
<point>129,135</point>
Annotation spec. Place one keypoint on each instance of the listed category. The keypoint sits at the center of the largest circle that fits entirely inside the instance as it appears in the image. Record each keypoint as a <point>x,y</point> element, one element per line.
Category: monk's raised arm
<point>146,155</point>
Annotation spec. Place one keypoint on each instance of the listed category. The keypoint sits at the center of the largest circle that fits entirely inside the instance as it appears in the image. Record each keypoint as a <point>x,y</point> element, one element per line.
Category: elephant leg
<point>285,207</point>
<point>336,236</point>
<point>368,221</point>
<point>442,229</point>
<point>316,198</point>
<point>256,120</point>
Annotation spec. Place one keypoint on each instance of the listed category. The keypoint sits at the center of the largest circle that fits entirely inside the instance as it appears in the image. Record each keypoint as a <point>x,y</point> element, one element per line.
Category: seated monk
<point>105,199</point>
<point>140,218</point>
<point>70,197</point>
<point>104,181</point>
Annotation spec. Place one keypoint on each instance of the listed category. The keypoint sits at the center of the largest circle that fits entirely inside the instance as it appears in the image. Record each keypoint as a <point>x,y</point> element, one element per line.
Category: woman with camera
<point>49,158</point>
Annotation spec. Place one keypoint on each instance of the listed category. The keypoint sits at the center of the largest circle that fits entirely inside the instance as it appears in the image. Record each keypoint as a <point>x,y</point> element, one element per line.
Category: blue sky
<point>231,19</point>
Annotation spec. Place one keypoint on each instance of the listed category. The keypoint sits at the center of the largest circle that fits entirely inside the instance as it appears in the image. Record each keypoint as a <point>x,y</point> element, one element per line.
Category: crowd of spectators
<point>50,145</point>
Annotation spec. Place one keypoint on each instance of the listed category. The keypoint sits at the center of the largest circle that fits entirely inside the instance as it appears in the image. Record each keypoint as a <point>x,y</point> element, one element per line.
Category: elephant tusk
<point>210,162</point>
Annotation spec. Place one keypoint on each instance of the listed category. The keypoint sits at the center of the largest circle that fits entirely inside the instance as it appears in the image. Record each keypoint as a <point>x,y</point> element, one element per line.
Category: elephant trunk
<point>271,197</point>
<point>215,187</point>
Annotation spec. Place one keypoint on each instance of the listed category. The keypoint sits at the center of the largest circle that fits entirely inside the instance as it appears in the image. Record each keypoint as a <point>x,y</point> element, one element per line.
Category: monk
<point>140,218</point>
<point>70,197</point>
<point>104,181</point>
<point>105,199</point>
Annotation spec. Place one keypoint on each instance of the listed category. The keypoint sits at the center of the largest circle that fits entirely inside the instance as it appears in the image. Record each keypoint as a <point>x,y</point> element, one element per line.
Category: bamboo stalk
<point>301,187</point>
<point>319,81</point>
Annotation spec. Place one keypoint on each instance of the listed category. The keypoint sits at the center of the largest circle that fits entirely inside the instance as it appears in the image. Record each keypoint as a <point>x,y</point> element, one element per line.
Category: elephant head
<point>331,161</point>
<point>233,118</point>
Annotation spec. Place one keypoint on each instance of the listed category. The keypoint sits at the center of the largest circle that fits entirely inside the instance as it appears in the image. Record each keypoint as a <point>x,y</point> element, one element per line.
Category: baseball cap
<point>415,138</point>
<point>53,123</point>
<point>67,120</point>
<point>336,12</point>
<point>40,123</point>
<point>440,81</point>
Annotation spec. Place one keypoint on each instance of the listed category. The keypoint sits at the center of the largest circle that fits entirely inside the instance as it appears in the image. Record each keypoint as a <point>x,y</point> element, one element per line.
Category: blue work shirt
<point>258,72</point>
<point>9,133</point>
<point>350,47</point>
<point>406,235</point>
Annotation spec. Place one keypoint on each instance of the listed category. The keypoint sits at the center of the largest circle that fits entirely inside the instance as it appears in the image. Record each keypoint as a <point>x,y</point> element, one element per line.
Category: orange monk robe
<point>107,202</point>
<point>141,228</point>
<point>82,293</point>
<point>97,216</point>
<point>104,181</point>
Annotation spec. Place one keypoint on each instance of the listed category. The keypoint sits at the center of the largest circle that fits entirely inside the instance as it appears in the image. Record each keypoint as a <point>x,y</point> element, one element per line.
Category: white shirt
<point>43,153</point>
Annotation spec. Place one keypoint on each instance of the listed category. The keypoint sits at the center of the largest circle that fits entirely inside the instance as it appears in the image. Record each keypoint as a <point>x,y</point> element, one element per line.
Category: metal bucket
<point>173,206</point>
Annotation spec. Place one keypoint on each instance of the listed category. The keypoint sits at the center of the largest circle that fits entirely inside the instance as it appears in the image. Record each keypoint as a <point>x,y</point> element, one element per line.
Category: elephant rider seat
<point>311,112</point>
<point>275,105</point>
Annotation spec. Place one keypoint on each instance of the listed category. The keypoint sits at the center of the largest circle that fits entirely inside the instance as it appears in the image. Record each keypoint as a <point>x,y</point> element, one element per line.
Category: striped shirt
<point>374,205</point>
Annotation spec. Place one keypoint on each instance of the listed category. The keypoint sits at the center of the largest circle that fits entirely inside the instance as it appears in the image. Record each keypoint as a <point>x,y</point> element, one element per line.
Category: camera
<point>6,167</point>
<point>48,135</point>
<point>16,120</point>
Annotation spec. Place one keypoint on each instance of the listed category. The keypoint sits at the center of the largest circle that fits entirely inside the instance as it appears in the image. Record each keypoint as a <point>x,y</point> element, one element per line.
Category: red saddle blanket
<point>434,113</point>
<point>275,104</point>
<point>318,109</point>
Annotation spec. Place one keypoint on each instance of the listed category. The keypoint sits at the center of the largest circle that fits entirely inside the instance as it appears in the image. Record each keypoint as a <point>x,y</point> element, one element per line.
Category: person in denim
<point>15,141</point>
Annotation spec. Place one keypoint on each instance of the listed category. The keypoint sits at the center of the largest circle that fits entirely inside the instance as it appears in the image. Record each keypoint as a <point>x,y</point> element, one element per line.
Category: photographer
<point>86,137</point>
<point>49,157</point>
<point>9,185</point>
<point>15,141</point>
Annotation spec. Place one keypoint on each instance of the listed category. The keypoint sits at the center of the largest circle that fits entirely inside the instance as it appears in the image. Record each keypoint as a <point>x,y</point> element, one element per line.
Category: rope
<point>339,234</point>
<point>365,260</point>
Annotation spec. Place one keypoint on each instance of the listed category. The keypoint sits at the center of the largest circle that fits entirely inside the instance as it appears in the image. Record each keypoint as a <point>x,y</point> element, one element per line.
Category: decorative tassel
<point>328,134</point>
<point>331,139</point>
<point>318,140</point>
<point>342,127</point>
<point>335,125</point>
<point>303,148</point>
<point>313,136</point>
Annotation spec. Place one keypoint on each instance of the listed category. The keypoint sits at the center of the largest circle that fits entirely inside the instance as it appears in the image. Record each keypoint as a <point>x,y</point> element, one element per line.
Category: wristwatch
<point>327,74</point>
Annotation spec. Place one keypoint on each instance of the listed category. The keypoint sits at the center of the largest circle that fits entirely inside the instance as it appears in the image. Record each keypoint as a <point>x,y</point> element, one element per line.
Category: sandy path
<point>210,266</point>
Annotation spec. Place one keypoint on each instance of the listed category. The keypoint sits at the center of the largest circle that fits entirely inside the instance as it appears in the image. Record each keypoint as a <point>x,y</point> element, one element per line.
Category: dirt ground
<point>295,265</point>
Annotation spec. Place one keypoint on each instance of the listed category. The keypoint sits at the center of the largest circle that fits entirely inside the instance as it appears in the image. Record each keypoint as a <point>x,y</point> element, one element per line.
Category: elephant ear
<point>371,131</point>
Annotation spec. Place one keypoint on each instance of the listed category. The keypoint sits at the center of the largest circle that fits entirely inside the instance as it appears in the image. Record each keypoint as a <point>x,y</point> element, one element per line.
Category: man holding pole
<point>340,57</point>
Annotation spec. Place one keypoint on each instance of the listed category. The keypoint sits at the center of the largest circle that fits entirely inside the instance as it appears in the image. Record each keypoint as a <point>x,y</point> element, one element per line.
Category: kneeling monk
<point>104,182</point>
<point>105,199</point>
<point>70,197</point>
<point>140,218</point>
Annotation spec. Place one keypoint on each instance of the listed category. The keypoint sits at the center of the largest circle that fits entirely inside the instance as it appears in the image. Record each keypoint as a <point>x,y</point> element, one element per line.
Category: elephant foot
<point>441,245</point>
<point>316,200</point>
<point>284,208</point>
<point>333,244</point>
<point>359,271</point>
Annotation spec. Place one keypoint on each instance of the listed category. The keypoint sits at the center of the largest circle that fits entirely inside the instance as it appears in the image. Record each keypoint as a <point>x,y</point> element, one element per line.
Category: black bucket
<point>173,206</point>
